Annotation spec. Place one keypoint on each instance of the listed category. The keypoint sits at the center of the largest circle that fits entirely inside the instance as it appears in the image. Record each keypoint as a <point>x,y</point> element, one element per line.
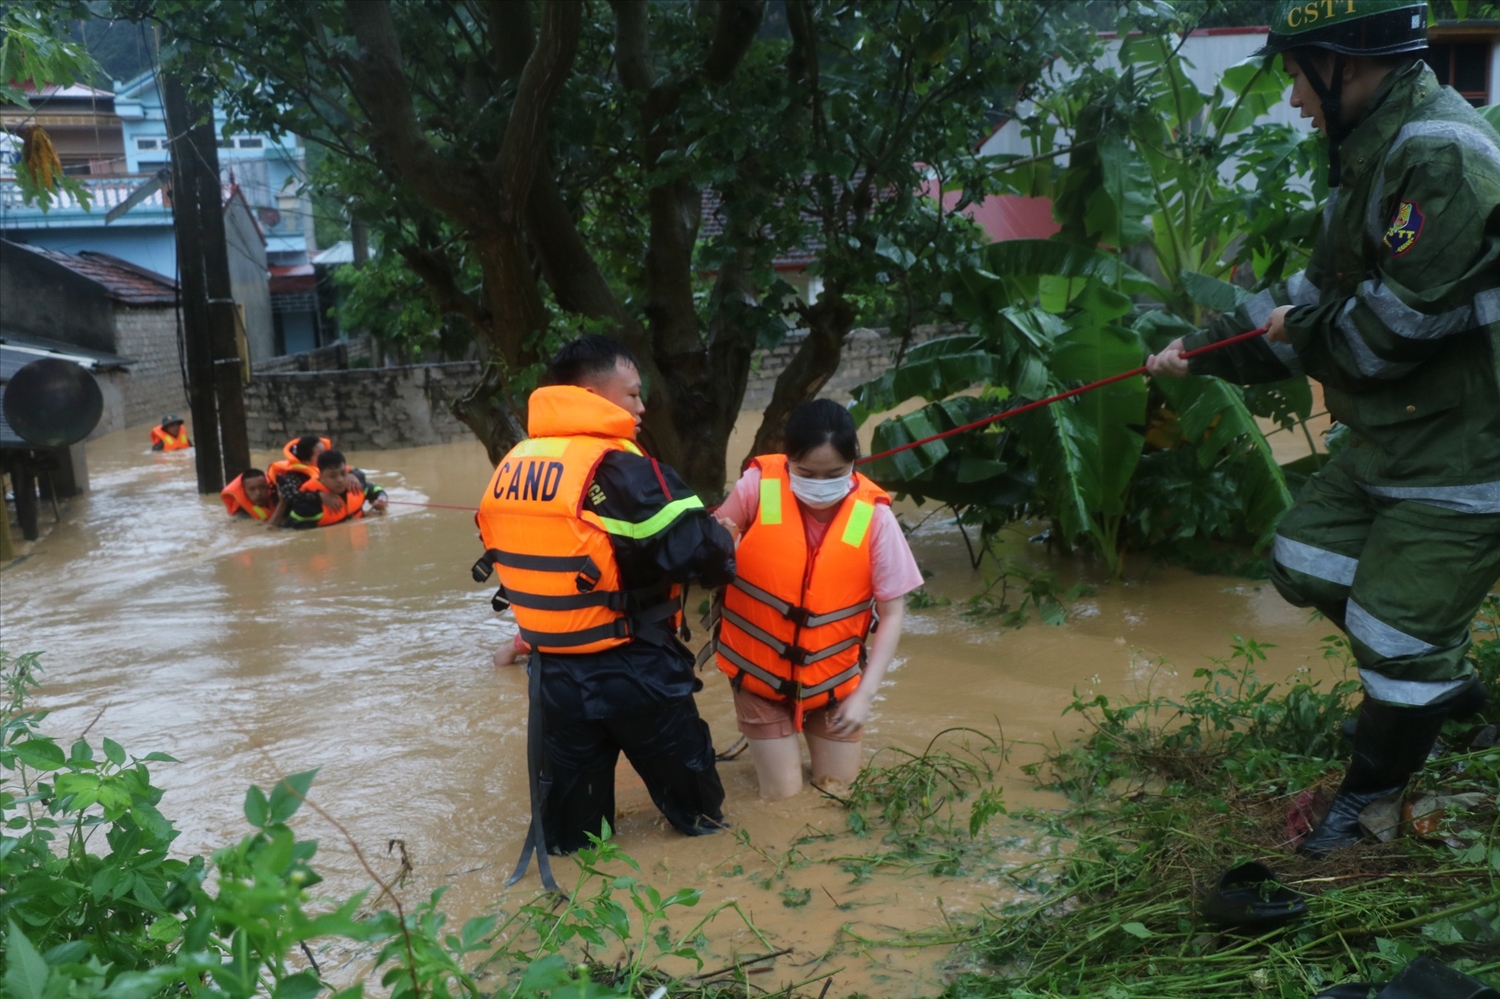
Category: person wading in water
<point>1397,539</point>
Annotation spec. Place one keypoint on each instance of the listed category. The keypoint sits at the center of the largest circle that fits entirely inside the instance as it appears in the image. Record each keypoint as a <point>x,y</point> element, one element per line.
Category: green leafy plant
<point>1170,201</point>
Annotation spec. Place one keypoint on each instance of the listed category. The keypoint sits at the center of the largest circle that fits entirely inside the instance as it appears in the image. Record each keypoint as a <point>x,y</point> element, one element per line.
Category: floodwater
<point>365,650</point>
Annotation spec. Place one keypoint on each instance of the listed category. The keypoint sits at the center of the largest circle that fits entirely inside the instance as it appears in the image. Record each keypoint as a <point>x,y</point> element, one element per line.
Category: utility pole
<point>187,207</point>
<point>208,310</point>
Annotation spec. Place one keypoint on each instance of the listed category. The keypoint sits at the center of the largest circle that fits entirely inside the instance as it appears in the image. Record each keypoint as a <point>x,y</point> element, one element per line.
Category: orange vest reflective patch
<point>555,559</point>
<point>290,455</point>
<point>794,622</point>
<point>277,469</point>
<point>168,442</point>
<point>354,503</point>
<point>235,500</point>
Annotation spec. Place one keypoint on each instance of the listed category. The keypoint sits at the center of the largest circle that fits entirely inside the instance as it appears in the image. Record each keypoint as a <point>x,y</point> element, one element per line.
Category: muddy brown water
<point>365,650</point>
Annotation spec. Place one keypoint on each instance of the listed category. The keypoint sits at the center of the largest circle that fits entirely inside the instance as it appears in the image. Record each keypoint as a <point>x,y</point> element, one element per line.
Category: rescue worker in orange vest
<point>819,549</point>
<point>288,475</point>
<point>336,494</point>
<point>171,435</point>
<point>592,540</point>
<point>290,447</point>
<point>249,495</point>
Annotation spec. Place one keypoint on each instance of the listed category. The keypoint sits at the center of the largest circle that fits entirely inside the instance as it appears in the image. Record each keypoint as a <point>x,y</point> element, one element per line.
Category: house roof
<point>793,258</point>
<point>341,252</point>
<point>120,279</point>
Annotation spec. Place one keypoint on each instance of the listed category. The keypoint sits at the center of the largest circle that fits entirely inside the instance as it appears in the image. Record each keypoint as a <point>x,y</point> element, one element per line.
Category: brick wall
<point>147,334</point>
<point>361,408</point>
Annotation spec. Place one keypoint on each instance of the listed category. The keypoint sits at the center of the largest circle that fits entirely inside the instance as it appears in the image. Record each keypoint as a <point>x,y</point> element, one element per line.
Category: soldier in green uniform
<point>1397,539</point>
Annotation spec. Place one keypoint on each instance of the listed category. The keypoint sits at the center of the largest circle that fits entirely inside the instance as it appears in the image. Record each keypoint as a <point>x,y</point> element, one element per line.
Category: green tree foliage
<point>1170,200</point>
<point>541,166</point>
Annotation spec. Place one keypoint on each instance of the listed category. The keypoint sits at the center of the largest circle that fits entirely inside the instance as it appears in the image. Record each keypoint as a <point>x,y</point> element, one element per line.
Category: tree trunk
<point>829,321</point>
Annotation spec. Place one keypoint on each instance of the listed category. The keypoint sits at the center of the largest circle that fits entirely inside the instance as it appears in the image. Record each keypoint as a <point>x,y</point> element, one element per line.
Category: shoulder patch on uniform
<point>1405,228</point>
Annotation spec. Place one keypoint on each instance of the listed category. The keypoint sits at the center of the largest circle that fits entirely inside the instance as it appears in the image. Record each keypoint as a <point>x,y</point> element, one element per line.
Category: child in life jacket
<point>338,493</point>
<point>819,549</point>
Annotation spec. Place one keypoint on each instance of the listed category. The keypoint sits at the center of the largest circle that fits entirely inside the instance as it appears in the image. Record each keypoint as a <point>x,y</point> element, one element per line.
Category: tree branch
<point>379,79</point>
<point>437,274</point>
<point>512,34</point>
<point>735,28</point>
<point>632,45</point>
<point>546,71</point>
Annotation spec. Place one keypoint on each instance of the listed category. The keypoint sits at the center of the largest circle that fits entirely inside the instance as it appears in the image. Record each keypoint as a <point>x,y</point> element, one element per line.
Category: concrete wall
<point>42,298</point>
<point>375,408</point>
<point>867,353</point>
<point>147,334</point>
<point>360,409</point>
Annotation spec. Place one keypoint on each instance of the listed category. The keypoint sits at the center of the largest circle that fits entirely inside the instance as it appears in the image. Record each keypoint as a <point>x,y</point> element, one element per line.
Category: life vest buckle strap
<point>832,650</point>
<point>830,683</point>
<point>539,563</point>
<point>775,644</point>
<point>588,576</point>
<point>499,601</point>
<point>485,566</point>
<point>818,620</point>
<point>573,639</point>
<point>769,599</point>
<point>748,668</point>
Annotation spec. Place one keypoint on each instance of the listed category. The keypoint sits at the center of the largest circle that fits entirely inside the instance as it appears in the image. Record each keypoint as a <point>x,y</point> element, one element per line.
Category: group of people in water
<point>312,485</point>
<point>594,543</point>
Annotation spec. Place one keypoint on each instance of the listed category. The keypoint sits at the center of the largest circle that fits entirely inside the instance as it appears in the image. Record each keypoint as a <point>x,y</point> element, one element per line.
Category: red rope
<point>1051,399</point>
<point>436,506</point>
<point>969,426</point>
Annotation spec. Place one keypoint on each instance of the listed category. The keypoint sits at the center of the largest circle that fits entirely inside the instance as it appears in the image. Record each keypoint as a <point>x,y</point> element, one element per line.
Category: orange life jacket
<point>291,455</point>
<point>555,558</point>
<point>354,503</point>
<point>277,469</point>
<point>235,500</point>
<point>169,443</point>
<point>794,623</point>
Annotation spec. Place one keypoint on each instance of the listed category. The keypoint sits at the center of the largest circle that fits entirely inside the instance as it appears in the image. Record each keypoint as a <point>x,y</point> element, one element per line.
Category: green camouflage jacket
<point>1398,311</point>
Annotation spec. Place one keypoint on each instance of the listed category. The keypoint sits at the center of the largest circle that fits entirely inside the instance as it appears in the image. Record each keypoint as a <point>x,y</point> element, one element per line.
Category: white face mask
<point>820,494</point>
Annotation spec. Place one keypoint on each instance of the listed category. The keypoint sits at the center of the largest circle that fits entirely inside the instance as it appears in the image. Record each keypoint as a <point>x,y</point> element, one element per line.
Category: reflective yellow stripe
<point>663,518</point>
<point>859,523</point>
<point>630,446</point>
<point>770,501</point>
<point>541,447</point>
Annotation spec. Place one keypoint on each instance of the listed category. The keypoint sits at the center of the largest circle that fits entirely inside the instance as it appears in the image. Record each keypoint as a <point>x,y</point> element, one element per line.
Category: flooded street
<point>366,651</point>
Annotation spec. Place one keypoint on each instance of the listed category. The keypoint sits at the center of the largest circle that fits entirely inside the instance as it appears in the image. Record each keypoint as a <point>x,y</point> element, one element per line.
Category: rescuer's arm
<point>158,445</point>
<point>1247,363</point>
<point>307,508</point>
<point>1436,273</point>
<point>660,529</point>
<point>279,515</point>
<point>850,714</point>
<point>374,495</point>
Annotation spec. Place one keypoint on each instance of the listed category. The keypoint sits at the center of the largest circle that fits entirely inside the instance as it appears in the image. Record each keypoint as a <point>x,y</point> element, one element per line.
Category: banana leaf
<point>1037,257</point>
<point>1213,413</point>
<point>931,371</point>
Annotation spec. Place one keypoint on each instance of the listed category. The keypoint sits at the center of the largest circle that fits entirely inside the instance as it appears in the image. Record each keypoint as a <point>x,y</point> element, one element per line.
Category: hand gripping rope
<point>1052,398</point>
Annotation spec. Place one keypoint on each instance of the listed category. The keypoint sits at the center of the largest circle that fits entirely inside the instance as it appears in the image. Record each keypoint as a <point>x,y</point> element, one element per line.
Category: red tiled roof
<point>121,280</point>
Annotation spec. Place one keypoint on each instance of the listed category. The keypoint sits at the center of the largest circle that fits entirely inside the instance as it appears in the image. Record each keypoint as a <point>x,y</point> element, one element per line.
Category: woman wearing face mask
<point>819,550</point>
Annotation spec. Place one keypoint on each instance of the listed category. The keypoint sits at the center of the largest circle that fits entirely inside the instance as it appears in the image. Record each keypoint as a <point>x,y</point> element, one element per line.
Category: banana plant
<point>1172,201</point>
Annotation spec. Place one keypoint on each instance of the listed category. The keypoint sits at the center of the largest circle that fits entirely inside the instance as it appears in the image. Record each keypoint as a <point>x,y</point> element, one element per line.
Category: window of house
<point>252,142</point>
<point>1464,66</point>
<point>147,144</point>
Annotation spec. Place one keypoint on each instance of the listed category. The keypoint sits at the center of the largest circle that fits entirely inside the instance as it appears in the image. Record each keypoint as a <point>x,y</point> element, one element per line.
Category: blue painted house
<point>127,138</point>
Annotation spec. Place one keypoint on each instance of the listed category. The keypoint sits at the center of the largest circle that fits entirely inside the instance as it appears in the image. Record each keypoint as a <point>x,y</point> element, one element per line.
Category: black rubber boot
<point>1465,702</point>
<point>1390,744</point>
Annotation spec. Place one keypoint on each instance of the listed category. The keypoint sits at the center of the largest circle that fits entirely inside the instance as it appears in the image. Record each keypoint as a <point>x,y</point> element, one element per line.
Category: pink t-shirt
<point>892,567</point>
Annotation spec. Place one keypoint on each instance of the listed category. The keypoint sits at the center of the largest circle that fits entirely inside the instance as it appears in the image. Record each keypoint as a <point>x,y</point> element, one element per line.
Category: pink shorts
<point>760,718</point>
